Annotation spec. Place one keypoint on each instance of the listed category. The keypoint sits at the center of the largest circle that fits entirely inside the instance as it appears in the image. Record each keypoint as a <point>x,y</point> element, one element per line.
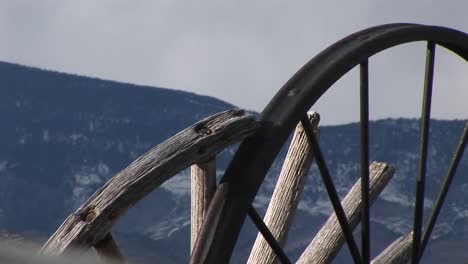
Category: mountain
<point>63,136</point>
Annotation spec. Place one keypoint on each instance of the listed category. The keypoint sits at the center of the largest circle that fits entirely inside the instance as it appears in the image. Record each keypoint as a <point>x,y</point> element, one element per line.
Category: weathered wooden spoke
<point>399,252</point>
<point>331,190</point>
<point>203,186</point>
<point>328,241</point>
<point>285,198</point>
<point>268,236</point>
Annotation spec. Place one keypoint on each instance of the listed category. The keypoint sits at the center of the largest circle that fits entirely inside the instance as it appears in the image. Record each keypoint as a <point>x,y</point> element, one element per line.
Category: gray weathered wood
<point>399,252</point>
<point>108,250</point>
<point>203,186</point>
<point>95,218</point>
<point>330,239</point>
<point>287,193</point>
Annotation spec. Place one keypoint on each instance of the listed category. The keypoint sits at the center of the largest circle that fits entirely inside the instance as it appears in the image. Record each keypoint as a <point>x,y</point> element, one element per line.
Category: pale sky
<point>239,51</point>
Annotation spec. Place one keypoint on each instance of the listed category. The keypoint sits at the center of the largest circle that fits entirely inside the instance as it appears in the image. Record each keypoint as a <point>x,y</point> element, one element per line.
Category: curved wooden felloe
<point>247,170</point>
<point>95,218</point>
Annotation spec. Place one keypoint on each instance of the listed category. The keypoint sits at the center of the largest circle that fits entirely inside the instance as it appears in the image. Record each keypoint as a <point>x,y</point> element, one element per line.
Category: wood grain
<point>95,218</point>
<point>203,186</point>
<point>330,239</point>
<point>399,252</point>
<point>287,193</point>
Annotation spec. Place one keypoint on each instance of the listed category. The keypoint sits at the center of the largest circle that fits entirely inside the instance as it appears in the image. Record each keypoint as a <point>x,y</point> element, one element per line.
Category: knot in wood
<point>203,130</point>
<point>88,214</point>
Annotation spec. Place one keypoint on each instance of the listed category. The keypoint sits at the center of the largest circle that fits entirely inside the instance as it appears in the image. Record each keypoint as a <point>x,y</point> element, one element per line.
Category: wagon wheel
<point>237,189</point>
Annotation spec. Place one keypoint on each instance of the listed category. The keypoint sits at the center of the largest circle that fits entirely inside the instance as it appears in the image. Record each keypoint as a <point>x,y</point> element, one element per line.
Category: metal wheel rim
<point>255,155</point>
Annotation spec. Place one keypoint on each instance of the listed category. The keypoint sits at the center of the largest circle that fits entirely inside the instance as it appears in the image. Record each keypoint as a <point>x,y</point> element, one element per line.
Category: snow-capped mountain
<point>63,136</point>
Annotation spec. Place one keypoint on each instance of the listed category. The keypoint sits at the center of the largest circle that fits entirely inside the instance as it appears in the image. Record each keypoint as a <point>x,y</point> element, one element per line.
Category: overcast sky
<point>240,51</point>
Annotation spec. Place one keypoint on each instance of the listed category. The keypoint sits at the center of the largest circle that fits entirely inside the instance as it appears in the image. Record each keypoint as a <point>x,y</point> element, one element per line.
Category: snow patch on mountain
<point>391,193</point>
<point>441,229</point>
<point>179,185</point>
<point>460,213</point>
<point>397,224</point>
<point>346,176</point>
<point>316,208</point>
<point>86,180</point>
<point>165,228</point>
<point>261,201</point>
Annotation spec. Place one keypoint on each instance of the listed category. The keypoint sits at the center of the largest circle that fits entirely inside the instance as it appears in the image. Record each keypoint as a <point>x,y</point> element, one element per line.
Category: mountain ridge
<point>5,65</point>
<point>64,136</point>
